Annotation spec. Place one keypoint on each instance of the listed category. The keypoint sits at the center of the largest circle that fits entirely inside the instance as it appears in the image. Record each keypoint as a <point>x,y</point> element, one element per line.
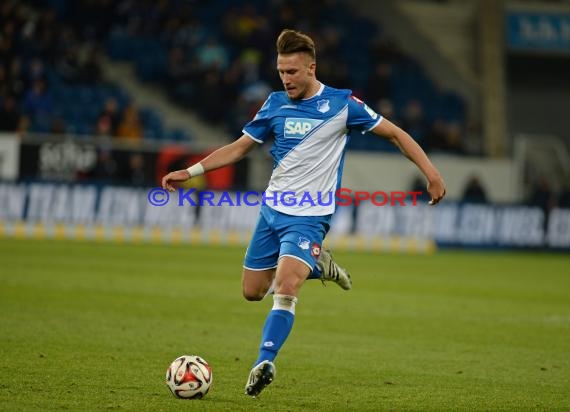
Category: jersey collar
<point>318,93</point>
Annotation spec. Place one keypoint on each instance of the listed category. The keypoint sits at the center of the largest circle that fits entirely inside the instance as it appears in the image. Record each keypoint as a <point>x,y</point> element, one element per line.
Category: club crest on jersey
<point>323,106</point>
<point>297,128</point>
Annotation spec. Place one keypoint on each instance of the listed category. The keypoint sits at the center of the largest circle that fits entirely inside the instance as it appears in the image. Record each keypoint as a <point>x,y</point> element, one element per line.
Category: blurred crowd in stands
<point>543,196</point>
<point>540,195</point>
<point>216,58</point>
<point>51,78</point>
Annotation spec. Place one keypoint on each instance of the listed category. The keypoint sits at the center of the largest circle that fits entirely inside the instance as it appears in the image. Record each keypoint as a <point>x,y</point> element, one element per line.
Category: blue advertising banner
<point>538,32</point>
<point>40,210</point>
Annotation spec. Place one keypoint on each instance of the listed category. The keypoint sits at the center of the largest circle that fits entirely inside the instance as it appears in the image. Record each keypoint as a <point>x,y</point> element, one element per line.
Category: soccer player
<point>309,122</point>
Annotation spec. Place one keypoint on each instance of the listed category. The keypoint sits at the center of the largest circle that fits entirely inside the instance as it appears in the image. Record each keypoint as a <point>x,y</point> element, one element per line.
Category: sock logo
<point>268,344</point>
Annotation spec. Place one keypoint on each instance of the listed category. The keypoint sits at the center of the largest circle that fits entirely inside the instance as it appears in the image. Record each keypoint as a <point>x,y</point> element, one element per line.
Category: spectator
<point>564,198</point>
<point>68,66</point>
<point>7,40</point>
<point>237,114</point>
<point>58,126</point>
<point>474,191</point>
<point>38,103</point>
<point>419,185</point>
<point>436,137</point>
<point>10,116</point>
<point>80,65</point>
<point>286,16</point>
<point>257,92</point>
<point>386,108</point>
<point>108,120</point>
<point>212,54</point>
<point>250,61</point>
<point>212,91</point>
<point>130,126</point>
<point>246,23</point>
<point>413,121</point>
<point>445,137</point>
<point>15,78</point>
<point>4,89</point>
<point>379,86</point>
<point>135,173</point>
<point>472,138</point>
<point>454,138</point>
<point>334,71</point>
<point>106,169</point>
<point>385,51</point>
<point>45,34</point>
<point>228,51</point>
<point>90,65</point>
<point>541,195</point>
<point>36,71</point>
<point>181,76</point>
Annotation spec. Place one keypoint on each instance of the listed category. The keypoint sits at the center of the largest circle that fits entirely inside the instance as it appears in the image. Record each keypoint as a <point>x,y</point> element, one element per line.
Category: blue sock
<point>277,327</point>
<point>316,273</point>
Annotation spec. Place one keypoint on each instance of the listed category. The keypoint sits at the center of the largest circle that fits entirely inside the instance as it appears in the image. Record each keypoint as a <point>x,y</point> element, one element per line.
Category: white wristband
<point>196,170</point>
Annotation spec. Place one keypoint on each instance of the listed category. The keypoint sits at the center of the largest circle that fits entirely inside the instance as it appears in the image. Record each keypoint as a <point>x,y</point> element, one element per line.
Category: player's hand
<point>173,177</point>
<point>436,190</point>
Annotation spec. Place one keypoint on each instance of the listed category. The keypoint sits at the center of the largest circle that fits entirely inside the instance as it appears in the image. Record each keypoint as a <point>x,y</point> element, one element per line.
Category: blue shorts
<point>277,234</point>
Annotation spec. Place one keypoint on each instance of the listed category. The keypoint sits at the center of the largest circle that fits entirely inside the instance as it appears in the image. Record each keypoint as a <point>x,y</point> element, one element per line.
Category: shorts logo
<point>297,128</point>
<point>323,106</point>
<point>268,344</point>
<point>316,250</point>
<point>303,243</point>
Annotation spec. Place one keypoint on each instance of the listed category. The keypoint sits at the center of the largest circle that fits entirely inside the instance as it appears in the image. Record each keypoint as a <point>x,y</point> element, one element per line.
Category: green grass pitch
<point>93,326</point>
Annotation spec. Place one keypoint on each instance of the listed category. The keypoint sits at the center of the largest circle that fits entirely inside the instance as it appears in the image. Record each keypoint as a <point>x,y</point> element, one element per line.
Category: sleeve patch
<point>356,99</point>
<point>371,112</point>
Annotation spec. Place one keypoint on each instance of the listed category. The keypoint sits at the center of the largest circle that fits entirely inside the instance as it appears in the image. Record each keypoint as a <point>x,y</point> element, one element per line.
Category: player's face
<point>297,73</point>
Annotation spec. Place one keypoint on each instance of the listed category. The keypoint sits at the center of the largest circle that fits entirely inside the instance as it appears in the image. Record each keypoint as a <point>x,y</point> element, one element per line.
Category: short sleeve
<point>260,127</point>
<point>360,116</point>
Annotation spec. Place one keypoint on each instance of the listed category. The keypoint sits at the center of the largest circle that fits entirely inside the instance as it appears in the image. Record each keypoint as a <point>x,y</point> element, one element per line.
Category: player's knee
<point>289,287</point>
<point>252,294</point>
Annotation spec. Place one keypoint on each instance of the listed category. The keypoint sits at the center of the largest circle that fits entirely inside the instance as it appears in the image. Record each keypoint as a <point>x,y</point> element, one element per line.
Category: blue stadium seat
<point>85,95</point>
<point>118,44</point>
<point>41,124</point>
<point>150,133</point>
<point>178,135</point>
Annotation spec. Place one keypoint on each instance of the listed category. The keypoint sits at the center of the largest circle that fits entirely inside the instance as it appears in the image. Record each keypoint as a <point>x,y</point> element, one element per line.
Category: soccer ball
<point>189,377</point>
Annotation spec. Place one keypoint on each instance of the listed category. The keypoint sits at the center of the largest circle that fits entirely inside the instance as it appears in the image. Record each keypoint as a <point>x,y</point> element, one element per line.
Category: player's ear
<point>312,68</point>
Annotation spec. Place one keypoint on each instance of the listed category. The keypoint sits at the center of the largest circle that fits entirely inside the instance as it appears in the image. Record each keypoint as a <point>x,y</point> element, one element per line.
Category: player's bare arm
<point>413,151</point>
<point>224,156</point>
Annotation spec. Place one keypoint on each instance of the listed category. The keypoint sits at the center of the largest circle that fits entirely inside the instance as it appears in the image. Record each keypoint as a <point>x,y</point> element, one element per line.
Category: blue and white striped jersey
<point>310,138</point>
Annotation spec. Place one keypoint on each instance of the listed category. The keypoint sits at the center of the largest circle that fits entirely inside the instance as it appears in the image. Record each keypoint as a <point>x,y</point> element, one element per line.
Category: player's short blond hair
<point>291,41</point>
